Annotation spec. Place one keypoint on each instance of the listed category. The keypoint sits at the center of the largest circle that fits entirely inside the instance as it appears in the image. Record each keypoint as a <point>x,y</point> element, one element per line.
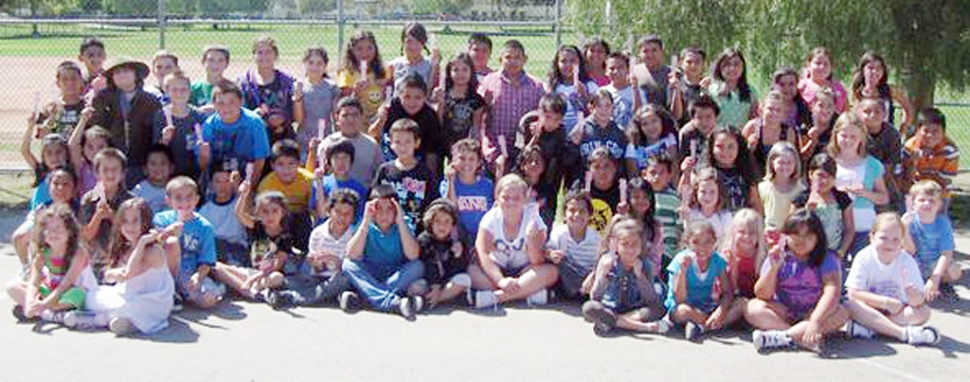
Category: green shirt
<point>666,214</point>
<point>201,93</point>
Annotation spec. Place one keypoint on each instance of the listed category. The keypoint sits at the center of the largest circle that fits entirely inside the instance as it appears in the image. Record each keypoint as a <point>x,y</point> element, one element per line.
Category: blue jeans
<point>381,284</point>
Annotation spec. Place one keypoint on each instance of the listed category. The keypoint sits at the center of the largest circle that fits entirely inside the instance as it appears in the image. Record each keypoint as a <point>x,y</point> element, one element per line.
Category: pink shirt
<point>807,89</point>
<point>509,103</point>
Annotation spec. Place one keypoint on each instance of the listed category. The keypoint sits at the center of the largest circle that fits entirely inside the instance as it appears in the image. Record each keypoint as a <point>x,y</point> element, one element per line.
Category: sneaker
<point>418,302</point>
<point>922,335</point>
<point>538,298</point>
<point>279,300</point>
<point>18,312</point>
<point>603,321</point>
<point>693,332</point>
<point>178,303</point>
<point>121,326</point>
<point>349,302</point>
<point>948,294</point>
<point>407,305</point>
<point>770,339</point>
<point>663,326</point>
<point>856,330</point>
<point>81,320</point>
<point>52,316</point>
<point>485,299</point>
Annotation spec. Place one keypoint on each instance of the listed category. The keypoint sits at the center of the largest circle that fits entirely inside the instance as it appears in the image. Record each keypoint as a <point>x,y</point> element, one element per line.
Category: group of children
<point>688,200</point>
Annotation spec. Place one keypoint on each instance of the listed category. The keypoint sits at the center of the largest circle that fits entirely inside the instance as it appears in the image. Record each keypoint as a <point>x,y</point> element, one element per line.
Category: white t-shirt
<point>509,253</point>
<point>580,256</point>
<point>622,105</point>
<point>863,211</point>
<point>321,240</point>
<point>870,274</point>
<point>224,221</point>
<point>721,221</point>
<point>573,104</point>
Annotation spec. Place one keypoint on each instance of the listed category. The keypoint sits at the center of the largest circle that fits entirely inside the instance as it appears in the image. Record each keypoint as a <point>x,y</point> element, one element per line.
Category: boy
<point>659,173</point>
<point>574,247</point>
<point>930,154</point>
<point>340,159</point>
<point>625,101</point>
<point>180,137</point>
<point>233,133</point>
<point>411,181</point>
<point>604,188</point>
<point>163,64</point>
<point>232,241</point>
<point>92,55</point>
<point>98,206</point>
<point>932,241</point>
<point>383,258</point>
<point>601,131</point>
<point>296,183</point>
<point>703,120</point>
<point>510,93</point>
<point>158,170</point>
<point>652,75</point>
<point>197,244</point>
<point>480,51</point>
<point>321,280</point>
<point>471,192</point>
<point>128,112</point>
<point>367,154</point>
<point>688,82</point>
<point>215,58</point>
<point>544,129</point>
<point>410,104</point>
<point>884,145</point>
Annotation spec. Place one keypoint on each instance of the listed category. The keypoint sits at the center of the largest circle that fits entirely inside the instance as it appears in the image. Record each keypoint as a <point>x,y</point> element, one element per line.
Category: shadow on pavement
<point>177,332</point>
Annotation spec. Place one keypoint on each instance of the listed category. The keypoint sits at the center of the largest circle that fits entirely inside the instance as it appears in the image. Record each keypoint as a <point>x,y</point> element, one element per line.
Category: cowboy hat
<point>141,70</point>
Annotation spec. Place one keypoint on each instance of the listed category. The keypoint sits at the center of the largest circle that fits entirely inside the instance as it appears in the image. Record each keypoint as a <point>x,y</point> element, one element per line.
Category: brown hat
<point>141,70</point>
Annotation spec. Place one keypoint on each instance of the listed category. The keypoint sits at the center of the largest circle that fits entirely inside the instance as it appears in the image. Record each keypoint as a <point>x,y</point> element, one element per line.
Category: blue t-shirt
<point>383,248</point>
<point>700,287</point>
<point>41,196</point>
<point>931,239</point>
<point>474,200</point>
<point>595,136</point>
<point>331,184</point>
<point>240,142</point>
<point>198,240</point>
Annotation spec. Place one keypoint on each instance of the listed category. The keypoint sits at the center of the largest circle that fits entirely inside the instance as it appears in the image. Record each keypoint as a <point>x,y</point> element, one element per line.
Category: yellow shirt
<point>371,101</point>
<point>297,192</point>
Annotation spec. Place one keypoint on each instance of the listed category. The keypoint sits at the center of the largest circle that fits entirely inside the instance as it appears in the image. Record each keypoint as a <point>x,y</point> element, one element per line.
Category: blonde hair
<point>846,121</point>
<point>510,181</point>
<point>886,219</point>
<point>180,182</point>
<point>752,219</point>
<point>177,75</point>
<point>825,93</point>
<point>774,96</point>
<point>926,187</point>
<point>778,149</point>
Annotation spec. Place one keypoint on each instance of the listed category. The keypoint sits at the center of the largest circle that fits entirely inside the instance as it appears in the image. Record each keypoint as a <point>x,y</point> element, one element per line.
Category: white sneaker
<point>769,339</point>
<point>856,330</point>
<point>538,298</point>
<point>485,299</point>
<point>121,326</point>
<point>81,320</point>
<point>922,335</point>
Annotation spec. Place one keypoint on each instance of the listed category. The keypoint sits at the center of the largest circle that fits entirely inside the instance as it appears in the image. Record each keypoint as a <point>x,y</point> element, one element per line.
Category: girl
<point>858,174</point>
<point>654,133</point>
<point>798,289</point>
<point>460,108</point>
<point>362,52</point>
<point>142,299</point>
<point>744,250</point>
<point>595,51</point>
<point>269,91</point>
<point>729,88</point>
<point>574,247</point>
<point>85,143</point>
<point>63,189</point>
<point>814,137</point>
<point>833,207</point>
<point>761,133</point>
<point>568,78</point>
<point>314,98</point>
<point>886,289</point>
<point>817,74</point>
<point>414,41</point>
<point>622,294</point>
<point>735,170</point>
<point>62,114</point>
<point>271,254</point>
<point>56,263</point>
<point>782,183</point>
<point>641,207</point>
<point>53,154</point>
<point>532,168</point>
<point>705,200</point>
<point>870,80</point>
<point>785,80</point>
<point>699,293</point>
<point>511,264</point>
<point>445,259</point>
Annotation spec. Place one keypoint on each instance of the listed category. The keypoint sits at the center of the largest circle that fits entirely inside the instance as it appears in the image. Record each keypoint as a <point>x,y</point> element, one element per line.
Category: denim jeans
<point>313,290</point>
<point>379,284</point>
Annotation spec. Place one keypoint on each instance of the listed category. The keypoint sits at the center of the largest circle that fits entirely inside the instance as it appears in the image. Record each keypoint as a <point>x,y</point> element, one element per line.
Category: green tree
<point>925,42</point>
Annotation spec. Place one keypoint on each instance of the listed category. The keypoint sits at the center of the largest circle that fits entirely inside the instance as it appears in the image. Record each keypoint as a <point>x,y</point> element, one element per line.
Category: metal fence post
<point>557,26</point>
<point>161,24</point>
<point>340,25</point>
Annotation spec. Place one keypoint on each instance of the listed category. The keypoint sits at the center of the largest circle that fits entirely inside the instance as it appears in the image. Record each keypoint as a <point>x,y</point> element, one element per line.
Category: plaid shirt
<point>939,163</point>
<point>509,103</point>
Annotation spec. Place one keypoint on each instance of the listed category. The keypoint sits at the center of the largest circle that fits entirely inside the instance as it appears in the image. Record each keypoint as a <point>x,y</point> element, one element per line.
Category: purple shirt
<point>799,285</point>
<point>509,104</point>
